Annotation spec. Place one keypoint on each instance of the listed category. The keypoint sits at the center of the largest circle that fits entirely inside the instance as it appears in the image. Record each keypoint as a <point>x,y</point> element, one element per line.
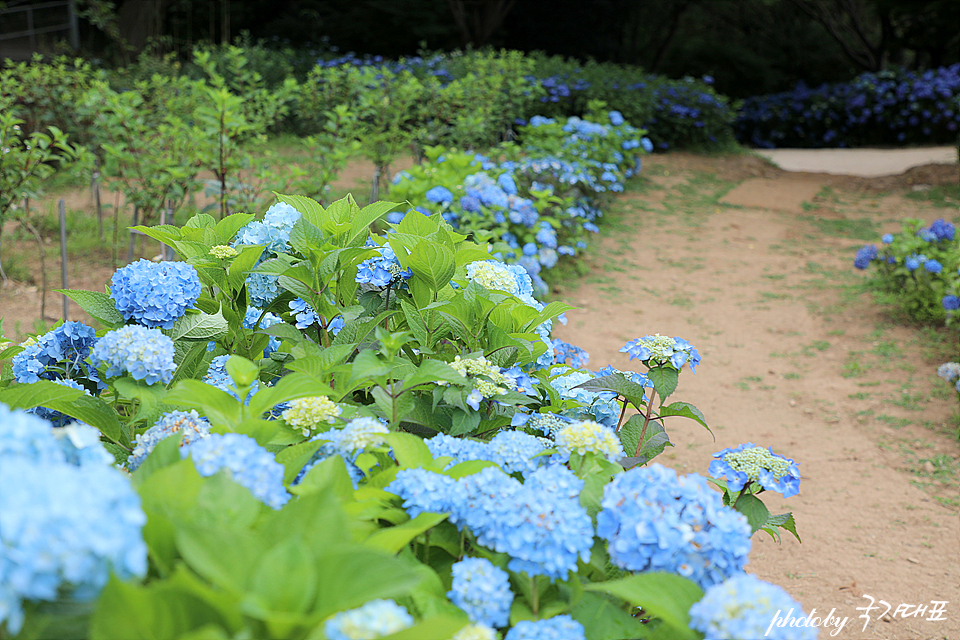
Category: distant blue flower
<point>950,302</point>
<point>656,521</point>
<point>246,463</point>
<point>482,591</point>
<point>187,424</point>
<point>566,353</point>
<point>375,619</point>
<point>616,118</point>
<point>269,319</point>
<point>422,490</point>
<point>647,145</point>
<point>155,294</point>
<point>864,255</point>
<point>750,463</point>
<point>659,350</point>
<point>887,238</point>
<point>439,195</point>
<point>146,354</point>
<point>561,627</point>
<point>942,230</point>
<point>328,450</point>
<point>932,266</point>
<point>746,607</point>
<point>507,183</point>
<point>470,203</point>
<point>912,263</point>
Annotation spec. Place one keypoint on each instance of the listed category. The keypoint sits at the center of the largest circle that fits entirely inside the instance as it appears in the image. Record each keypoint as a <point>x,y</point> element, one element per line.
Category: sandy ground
<point>868,163</point>
<point>737,256</point>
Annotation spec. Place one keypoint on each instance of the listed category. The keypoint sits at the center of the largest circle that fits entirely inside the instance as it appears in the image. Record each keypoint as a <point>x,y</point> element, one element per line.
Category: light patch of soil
<point>756,290</point>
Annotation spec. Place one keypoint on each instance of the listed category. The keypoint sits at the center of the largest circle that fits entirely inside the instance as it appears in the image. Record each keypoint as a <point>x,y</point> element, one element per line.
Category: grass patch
<point>853,228</point>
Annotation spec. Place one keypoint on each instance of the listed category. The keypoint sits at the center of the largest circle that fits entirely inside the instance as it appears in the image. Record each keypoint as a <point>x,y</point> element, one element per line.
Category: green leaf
<point>619,384</point>
<point>199,326</point>
<point>783,521</point>
<point>290,387</point>
<point>664,595</point>
<point>685,410</point>
<point>73,402</point>
<point>361,221</point>
<point>98,305</point>
<point>664,380</point>
<point>285,579</point>
<point>393,539</point>
<point>434,371</point>
<point>242,265</point>
<point>410,450</point>
<point>311,210</point>
<point>464,422</point>
<point>305,237</point>
<point>753,508</point>
<point>295,458</point>
<point>603,619</point>
<point>655,440</point>
<point>432,263</point>
<point>227,228</point>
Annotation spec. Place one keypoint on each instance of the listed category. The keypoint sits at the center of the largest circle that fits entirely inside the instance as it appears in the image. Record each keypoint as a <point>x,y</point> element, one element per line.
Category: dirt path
<point>794,357</point>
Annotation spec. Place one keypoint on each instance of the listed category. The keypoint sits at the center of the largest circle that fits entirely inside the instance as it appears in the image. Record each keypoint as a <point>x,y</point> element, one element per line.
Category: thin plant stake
<point>63,255</point>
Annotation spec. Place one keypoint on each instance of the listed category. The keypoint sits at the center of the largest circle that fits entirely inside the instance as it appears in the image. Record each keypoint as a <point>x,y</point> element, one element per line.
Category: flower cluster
<point>306,317</point>
<point>561,627</point>
<point>602,407</point>
<point>256,319</point>
<point>750,463</point>
<point>307,414</point>
<point>72,520</point>
<point>357,435</point>
<point>883,108</point>
<point>744,606</point>
<point>246,462</point>
<point>540,524</point>
<point>950,371</point>
<point>187,424</point>
<point>375,619</point>
<point>660,350</point>
<point>383,270</point>
<point>146,354</point>
<point>656,521</point>
<point>482,590</point>
<point>61,353</point>
<point>155,294</point>
<point>218,377</point>
<point>488,379</point>
<point>512,451</point>
<point>588,436</point>
<point>273,232</point>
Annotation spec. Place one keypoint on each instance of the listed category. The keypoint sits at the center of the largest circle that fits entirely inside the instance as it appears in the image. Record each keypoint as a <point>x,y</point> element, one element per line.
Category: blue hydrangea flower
<point>422,491</point>
<point>661,350</point>
<point>864,255</point>
<point>566,353</point>
<point>507,183</point>
<point>375,619</point>
<point>514,452</point>
<point>523,383</point>
<point>950,302</point>
<point>470,203</point>
<point>887,238</point>
<point>656,521</point>
<point>189,424</point>
<point>146,354</point>
<point>383,270</point>
<point>155,294</point>
<point>246,462</point>
<point>932,266</point>
<point>69,518</point>
<point>439,195</point>
<point>949,371</point>
<point>750,463</point>
<point>616,118</point>
<point>744,607</point>
<point>942,230</point>
<point>273,231</point>
<point>602,407</point>
<point>561,627</point>
<point>482,591</point>
<point>57,354</point>
<point>268,320</point>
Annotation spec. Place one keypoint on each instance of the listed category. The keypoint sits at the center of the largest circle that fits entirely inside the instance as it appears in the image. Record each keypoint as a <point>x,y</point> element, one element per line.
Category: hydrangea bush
<point>890,107</point>
<point>390,441</point>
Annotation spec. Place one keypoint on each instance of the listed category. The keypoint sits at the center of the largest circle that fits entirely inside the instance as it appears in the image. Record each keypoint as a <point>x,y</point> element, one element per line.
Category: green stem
<point>623,412</point>
<point>534,597</point>
<point>646,421</point>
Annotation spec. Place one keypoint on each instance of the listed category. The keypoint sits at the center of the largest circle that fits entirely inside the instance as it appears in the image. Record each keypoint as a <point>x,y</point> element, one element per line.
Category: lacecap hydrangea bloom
<point>488,379</point>
<point>659,350</point>
<point>561,627</point>
<point>155,294</point>
<point>656,521</point>
<point>68,517</point>
<point>746,607</point>
<point>357,435</point>
<point>146,354</point>
<point>476,632</point>
<point>750,463</point>
<point>60,353</point>
<point>307,414</point>
<point>588,436</point>
<point>188,424</point>
<point>375,619</point>
<point>246,462</point>
<point>482,591</point>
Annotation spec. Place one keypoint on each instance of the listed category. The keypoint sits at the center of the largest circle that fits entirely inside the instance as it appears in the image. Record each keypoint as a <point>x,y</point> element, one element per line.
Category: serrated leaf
<point>753,508</point>
<point>242,265</point>
<point>655,439</point>
<point>97,305</point>
<point>783,521</point>
<point>199,326</point>
<point>305,236</point>
<point>664,595</point>
<point>361,221</point>
<point>685,410</point>
<point>619,384</point>
<point>664,381</point>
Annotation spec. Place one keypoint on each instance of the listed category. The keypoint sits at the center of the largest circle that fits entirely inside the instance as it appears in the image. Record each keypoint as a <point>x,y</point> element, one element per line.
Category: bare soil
<point>753,266</point>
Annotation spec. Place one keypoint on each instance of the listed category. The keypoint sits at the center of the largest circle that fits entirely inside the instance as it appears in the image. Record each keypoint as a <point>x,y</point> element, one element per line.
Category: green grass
<point>853,228</point>
<point>938,196</point>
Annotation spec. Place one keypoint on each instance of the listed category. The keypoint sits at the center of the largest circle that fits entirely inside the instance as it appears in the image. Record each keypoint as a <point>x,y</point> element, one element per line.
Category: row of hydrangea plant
<point>303,428</point>
<point>891,107</point>
<point>918,272</point>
